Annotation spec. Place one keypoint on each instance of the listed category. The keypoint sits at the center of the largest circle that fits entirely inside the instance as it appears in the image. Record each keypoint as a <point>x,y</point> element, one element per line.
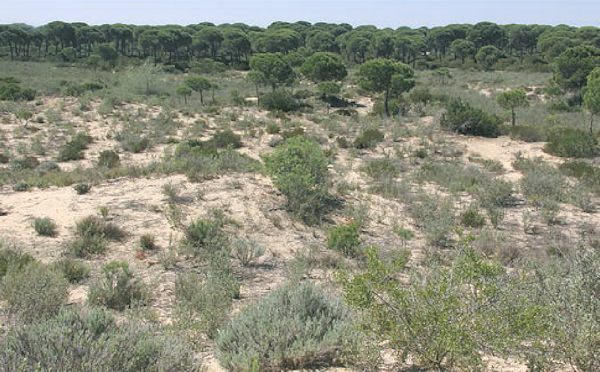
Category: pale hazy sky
<point>382,13</point>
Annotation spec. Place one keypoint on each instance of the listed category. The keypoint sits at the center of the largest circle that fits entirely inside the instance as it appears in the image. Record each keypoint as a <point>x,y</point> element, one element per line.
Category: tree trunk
<point>592,124</point>
<point>512,110</point>
<point>201,98</point>
<point>385,103</point>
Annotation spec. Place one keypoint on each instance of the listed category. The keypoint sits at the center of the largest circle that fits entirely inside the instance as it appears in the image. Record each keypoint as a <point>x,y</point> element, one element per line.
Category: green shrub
<point>544,186</point>
<point>203,237</point>
<point>108,159</point>
<point>95,226</point>
<point>82,188</point>
<point>4,159</point>
<point>47,167</point>
<point>574,143</point>
<point>203,302</point>
<point>526,133</point>
<point>81,340</point>
<point>463,119</point>
<point>368,138</point>
<point>34,292</point>
<point>86,245</point>
<point>73,150</point>
<point>299,171</point>
<point>28,162</point>
<point>472,218</point>
<point>13,260</point>
<point>73,271</point>
<point>21,186</point>
<point>343,142</point>
<point>11,90</point>
<point>273,128</point>
<point>279,100</point>
<point>226,138</point>
<point>293,132</point>
<point>384,168</point>
<point>344,239</point>
<point>133,143</point>
<point>295,327</point>
<point>147,242</point>
<point>118,289</point>
<point>44,226</point>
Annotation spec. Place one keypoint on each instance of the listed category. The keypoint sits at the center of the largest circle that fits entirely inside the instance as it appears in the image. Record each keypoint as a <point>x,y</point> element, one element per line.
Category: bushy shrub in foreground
<point>91,340</point>
<point>573,143</point>
<point>296,326</point>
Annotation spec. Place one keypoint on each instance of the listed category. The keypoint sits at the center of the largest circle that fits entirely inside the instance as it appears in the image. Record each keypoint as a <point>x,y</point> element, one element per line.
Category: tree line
<point>488,44</point>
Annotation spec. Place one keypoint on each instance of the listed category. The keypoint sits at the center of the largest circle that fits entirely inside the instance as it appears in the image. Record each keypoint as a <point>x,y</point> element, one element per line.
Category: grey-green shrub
<point>44,226</point>
<point>295,327</point>
<point>109,159</point>
<point>80,340</point>
<point>34,292</point>
<point>368,138</point>
<point>118,289</point>
<point>13,260</point>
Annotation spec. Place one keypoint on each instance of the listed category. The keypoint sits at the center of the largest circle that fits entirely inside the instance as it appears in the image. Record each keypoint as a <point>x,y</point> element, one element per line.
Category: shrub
<point>73,150</point>
<point>73,271</point>
<point>247,250</point>
<point>299,171</point>
<point>108,159</point>
<point>273,128</point>
<point>526,133</point>
<point>203,237</point>
<point>48,166</point>
<point>463,119</point>
<point>541,186</point>
<point>472,218</point>
<point>203,302</point>
<point>147,242</point>
<point>11,90</point>
<point>118,289</point>
<point>13,260</point>
<point>133,143</point>
<point>86,245</point>
<point>279,100</point>
<point>368,138</point>
<point>80,340</point>
<point>384,168</point>
<point>95,226</point>
<point>226,138</point>
<point>82,188</point>
<point>295,327</point>
<point>34,292</point>
<point>21,186</point>
<point>28,162</point>
<point>344,239</point>
<point>575,143</point>
<point>44,226</point>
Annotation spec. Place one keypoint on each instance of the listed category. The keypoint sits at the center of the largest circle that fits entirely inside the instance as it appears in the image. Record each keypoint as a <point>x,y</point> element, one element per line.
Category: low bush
<point>542,186</point>
<point>344,239</point>
<point>203,237</point>
<point>44,226</point>
<point>472,218</point>
<point>133,143</point>
<point>295,327</point>
<point>279,100</point>
<point>147,242</point>
<point>34,292</point>
<point>73,150</point>
<point>80,340</point>
<point>13,260</point>
<point>28,162</point>
<point>299,171</point>
<point>384,168</point>
<point>462,118</point>
<point>82,188</point>
<point>21,186</point>
<point>368,138</point>
<point>73,271</point>
<point>225,138</point>
<point>11,90</point>
<point>87,245</point>
<point>247,250</point>
<point>573,143</point>
<point>118,289</point>
<point>108,159</point>
<point>526,133</point>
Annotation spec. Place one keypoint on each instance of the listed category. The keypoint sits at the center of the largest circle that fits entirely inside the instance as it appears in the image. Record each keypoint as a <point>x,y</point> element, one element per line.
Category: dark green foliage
<point>11,90</point>
<point>299,171</point>
<point>91,235</point>
<point>34,292</point>
<point>28,162</point>
<point>279,100</point>
<point>73,150</point>
<point>295,327</point>
<point>292,132</point>
<point>133,143</point>
<point>21,186</point>
<point>462,118</point>
<point>273,128</point>
<point>82,188</point>
<point>85,340</point>
<point>344,239</point>
<point>368,138</point>
<point>13,260</point>
<point>48,166</point>
<point>526,133</point>
<point>108,159</point>
<point>44,226</point>
<point>86,245</point>
<point>147,242</point>
<point>4,159</point>
<point>343,142</point>
<point>420,94</point>
<point>575,143</point>
<point>118,289</point>
<point>74,271</point>
<point>224,139</point>
<point>203,238</point>
<point>472,218</point>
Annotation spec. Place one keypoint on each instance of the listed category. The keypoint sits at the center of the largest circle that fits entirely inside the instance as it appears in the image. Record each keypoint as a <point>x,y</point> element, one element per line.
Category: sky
<point>381,13</point>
